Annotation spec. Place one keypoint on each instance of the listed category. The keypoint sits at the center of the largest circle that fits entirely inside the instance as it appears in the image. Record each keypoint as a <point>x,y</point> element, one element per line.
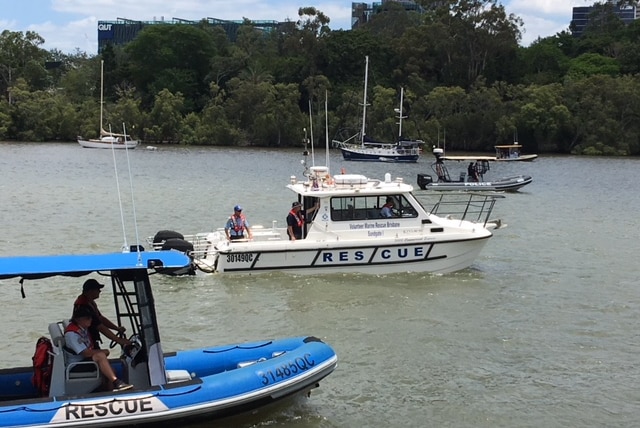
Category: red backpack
<point>42,366</point>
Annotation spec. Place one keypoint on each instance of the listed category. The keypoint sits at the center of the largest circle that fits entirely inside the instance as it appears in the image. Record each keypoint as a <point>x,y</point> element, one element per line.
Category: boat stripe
<point>315,259</point>
<point>375,251</point>
<point>255,260</point>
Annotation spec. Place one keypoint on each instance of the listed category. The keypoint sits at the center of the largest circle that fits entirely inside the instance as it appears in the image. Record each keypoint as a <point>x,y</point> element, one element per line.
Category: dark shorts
<point>234,237</point>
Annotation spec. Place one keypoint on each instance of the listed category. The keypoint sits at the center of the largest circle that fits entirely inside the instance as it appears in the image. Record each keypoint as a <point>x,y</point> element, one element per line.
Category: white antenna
<point>125,247</point>
<point>133,204</point>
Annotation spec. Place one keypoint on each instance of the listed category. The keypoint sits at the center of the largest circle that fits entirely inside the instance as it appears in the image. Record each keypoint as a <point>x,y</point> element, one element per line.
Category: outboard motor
<point>424,180</point>
<point>171,240</point>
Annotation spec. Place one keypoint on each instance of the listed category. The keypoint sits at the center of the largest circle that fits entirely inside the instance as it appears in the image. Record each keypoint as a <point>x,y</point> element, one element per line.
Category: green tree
<point>174,57</point>
<point>165,118</point>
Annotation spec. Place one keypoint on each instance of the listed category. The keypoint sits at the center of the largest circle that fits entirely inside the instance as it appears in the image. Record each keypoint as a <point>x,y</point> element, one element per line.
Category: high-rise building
<point>122,30</point>
<point>582,15</point>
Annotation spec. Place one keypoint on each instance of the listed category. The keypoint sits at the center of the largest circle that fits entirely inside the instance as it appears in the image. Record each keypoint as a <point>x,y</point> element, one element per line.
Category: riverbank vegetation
<point>466,81</point>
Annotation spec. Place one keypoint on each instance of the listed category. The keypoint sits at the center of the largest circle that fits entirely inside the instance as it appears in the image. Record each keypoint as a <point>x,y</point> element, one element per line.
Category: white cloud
<point>546,7</point>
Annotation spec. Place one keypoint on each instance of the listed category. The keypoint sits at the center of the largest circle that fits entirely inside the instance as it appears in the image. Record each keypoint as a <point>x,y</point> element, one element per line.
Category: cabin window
<point>353,208</point>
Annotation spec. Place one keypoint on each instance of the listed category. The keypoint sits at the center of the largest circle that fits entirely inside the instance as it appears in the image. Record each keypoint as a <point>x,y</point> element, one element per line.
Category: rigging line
<point>115,166</point>
<point>133,204</point>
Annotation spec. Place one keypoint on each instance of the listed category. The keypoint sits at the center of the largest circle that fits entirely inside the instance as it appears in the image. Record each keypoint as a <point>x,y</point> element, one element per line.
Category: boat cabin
<point>508,151</point>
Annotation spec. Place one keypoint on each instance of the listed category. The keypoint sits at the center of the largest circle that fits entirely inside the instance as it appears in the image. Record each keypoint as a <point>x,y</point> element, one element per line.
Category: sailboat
<point>107,140</point>
<point>367,149</point>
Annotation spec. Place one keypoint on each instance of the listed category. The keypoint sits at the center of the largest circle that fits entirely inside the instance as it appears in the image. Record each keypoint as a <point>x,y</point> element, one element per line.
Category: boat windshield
<point>349,208</point>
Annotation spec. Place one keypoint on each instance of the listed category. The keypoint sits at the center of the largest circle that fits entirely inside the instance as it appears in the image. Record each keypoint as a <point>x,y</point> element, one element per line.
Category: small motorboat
<point>472,180</point>
<point>512,152</point>
<point>207,383</point>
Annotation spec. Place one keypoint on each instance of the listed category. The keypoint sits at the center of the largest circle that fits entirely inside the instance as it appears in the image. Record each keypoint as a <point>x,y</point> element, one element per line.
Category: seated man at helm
<point>387,209</point>
<point>79,345</point>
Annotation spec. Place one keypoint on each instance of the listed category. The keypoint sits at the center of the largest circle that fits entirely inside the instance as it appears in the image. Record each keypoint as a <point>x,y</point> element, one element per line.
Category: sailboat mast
<point>400,113</point>
<point>364,103</point>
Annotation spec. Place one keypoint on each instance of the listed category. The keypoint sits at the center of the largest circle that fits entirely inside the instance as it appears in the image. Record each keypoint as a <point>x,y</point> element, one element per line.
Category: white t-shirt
<point>77,342</point>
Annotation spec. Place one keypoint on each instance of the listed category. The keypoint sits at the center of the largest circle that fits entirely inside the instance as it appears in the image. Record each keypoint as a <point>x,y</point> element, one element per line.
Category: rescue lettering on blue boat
<point>287,369</point>
<point>108,408</point>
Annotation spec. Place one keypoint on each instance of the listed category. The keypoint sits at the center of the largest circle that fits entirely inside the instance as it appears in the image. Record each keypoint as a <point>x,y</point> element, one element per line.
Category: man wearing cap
<point>79,346</point>
<point>91,290</point>
<point>236,225</point>
<point>296,219</point>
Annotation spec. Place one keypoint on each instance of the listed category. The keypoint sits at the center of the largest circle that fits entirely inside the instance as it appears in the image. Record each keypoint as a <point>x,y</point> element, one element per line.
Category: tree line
<point>466,82</point>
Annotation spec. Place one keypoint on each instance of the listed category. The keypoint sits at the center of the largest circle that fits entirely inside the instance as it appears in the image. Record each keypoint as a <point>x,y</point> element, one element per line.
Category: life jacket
<point>238,226</point>
<point>299,218</point>
<point>73,327</point>
<point>42,366</point>
<point>95,318</point>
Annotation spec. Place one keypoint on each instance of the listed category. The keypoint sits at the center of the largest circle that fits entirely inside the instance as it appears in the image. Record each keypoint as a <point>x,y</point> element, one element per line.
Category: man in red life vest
<point>296,219</point>
<point>236,225</point>
<point>79,346</point>
<point>91,290</point>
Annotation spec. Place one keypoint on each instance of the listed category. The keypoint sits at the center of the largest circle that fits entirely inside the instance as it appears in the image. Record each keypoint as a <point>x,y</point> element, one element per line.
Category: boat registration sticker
<point>287,369</point>
<point>108,408</point>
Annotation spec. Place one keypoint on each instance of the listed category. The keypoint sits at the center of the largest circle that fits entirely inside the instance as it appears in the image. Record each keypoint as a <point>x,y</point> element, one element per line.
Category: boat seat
<point>70,378</point>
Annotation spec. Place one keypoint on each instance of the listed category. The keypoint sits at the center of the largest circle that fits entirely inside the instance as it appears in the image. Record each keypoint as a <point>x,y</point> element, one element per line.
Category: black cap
<point>91,284</point>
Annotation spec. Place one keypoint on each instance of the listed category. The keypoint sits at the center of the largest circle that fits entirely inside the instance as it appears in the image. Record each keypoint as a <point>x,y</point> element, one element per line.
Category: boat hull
<point>227,381</point>
<point>101,144</point>
<point>520,158</point>
<point>380,155</point>
<point>380,257</point>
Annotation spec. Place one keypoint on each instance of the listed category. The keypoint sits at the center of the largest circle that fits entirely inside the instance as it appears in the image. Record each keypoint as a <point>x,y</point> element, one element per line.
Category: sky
<point>72,25</point>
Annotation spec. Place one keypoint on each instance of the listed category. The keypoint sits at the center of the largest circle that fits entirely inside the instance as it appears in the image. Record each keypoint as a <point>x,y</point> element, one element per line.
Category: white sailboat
<point>107,140</point>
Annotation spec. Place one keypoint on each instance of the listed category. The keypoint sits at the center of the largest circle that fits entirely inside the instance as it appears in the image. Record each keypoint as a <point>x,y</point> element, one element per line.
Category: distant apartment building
<point>361,13</point>
<point>123,30</point>
<point>582,15</point>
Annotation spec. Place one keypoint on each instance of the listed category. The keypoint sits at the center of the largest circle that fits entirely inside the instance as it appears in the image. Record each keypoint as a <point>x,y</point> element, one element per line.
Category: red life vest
<point>238,226</point>
<point>76,329</point>
<point>42,366</point>
<point>299,218</point>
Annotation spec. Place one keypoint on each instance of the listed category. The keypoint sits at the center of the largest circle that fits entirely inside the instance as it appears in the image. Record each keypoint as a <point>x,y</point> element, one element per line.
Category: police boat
<point>212,383</point>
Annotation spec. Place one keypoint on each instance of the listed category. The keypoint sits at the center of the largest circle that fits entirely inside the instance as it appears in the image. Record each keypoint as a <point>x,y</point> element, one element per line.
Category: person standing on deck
<point>237,225</point>
<point>296,219</point>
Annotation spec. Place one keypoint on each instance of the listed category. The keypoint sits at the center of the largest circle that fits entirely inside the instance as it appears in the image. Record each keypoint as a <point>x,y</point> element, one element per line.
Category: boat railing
<point>473,207</point>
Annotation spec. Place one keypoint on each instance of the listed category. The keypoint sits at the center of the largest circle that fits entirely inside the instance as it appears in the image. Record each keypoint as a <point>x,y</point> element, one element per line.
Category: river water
<point>540,331</point>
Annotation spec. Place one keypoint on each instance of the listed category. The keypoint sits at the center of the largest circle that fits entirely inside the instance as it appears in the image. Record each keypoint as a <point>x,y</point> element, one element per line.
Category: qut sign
<point>104,27</point>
